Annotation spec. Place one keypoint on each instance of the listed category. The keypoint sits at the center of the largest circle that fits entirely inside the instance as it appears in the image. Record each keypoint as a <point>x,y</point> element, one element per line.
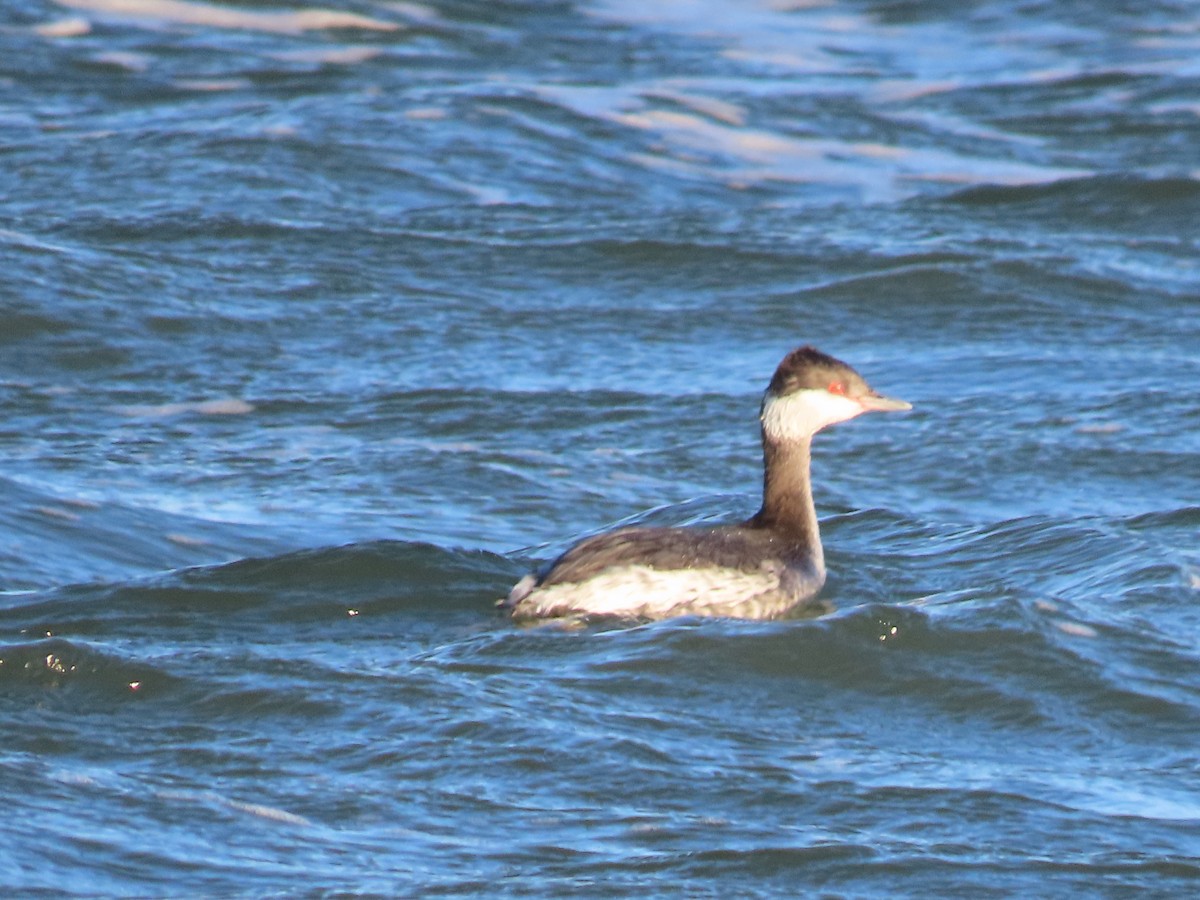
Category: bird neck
<point>788,507</point>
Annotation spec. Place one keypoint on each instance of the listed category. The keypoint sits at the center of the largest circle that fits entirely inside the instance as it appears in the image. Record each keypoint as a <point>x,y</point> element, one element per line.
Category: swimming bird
<point>764,567</point>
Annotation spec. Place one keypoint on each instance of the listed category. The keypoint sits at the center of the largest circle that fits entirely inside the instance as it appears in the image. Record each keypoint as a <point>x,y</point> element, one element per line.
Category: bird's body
<point>658,572</point>
<point>762,568</point>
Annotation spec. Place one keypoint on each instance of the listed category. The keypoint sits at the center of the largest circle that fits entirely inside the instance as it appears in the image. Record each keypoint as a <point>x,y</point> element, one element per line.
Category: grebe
<point>760,569</point>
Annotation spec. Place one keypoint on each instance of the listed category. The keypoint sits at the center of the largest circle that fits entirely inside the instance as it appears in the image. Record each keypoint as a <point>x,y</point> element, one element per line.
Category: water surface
<point>318,329</point>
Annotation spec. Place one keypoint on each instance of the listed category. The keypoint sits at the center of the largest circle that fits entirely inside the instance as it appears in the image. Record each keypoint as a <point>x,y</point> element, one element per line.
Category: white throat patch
<point>801,414</point>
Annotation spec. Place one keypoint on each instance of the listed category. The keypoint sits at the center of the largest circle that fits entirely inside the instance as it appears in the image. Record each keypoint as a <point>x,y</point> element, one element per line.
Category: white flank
<point>801,414</point>
<point>645,592</point>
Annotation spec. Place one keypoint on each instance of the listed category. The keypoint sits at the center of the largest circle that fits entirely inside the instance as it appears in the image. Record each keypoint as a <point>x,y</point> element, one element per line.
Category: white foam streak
<point>230,406</point>
<point>709,134</point>
<point>192,12</point>
<point>64,28</point>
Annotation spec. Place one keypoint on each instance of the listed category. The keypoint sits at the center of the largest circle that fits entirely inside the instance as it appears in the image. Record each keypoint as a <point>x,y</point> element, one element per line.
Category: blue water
<point>318,330</point>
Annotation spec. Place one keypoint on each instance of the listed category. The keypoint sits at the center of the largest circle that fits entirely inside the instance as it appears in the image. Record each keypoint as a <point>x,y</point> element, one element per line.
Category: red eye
<point>836,387</point>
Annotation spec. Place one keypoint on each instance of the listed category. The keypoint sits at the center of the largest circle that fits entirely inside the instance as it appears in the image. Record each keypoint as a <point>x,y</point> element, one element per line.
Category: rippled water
<point>319,328</point>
